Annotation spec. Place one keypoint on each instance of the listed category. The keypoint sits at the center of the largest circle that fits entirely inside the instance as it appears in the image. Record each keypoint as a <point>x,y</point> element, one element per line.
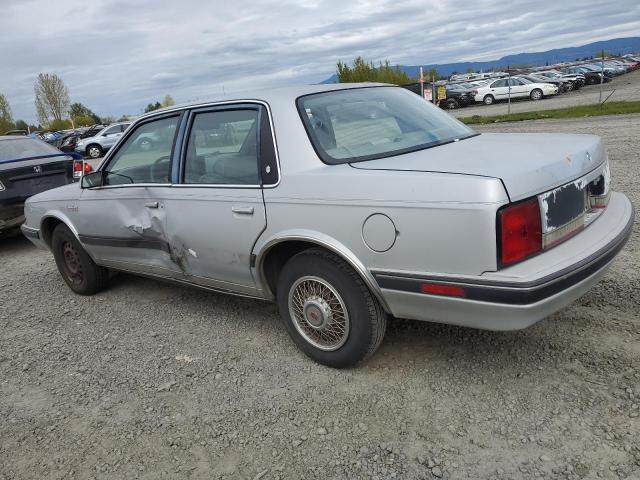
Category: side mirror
<point>93,179</point>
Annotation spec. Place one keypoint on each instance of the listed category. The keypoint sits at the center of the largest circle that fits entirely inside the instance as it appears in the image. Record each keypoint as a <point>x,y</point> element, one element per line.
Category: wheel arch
<point>277,251</point>
<point>50,221</point>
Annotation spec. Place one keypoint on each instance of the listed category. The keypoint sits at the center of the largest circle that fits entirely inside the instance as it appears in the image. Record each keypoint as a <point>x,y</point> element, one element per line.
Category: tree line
<point>55,110</point>
<point>363,71</point>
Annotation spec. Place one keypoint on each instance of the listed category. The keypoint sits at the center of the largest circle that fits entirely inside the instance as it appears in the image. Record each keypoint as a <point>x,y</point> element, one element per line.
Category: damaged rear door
<point>123,222</point>
<point>216,212</point>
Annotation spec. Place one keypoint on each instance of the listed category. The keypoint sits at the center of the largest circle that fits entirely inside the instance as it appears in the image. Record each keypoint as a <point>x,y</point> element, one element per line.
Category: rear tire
<point>94,151</point>
<point>488,100</point>
<point>536,94</point>
<point>451,104</point>
<point>328,310</point>
<point>78,270</point>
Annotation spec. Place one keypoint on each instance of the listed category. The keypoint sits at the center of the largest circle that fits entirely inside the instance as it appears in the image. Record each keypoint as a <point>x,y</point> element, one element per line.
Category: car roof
<point>269,96</point>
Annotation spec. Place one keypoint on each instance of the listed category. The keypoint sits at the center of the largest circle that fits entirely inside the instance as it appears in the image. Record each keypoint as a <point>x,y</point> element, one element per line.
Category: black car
<point>591,77</point>
<point>457,96</point>
<point>28,166</point>
<point>68,144</point>
<point>563,85</point>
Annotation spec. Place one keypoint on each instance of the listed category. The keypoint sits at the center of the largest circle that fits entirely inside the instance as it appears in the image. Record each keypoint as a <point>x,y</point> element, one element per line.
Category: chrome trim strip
<point>122,267</point>
<point>189,108</point>
<point>610,249</point>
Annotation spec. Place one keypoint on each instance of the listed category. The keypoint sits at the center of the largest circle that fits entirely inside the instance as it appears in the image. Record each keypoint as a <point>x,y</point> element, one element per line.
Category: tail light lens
<point>520,231</point>
<point>77,169</point>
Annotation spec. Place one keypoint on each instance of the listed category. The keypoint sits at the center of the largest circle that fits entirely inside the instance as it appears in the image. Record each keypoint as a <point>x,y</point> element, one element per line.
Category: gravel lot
<point>627,87</point>
<point>149,380</point>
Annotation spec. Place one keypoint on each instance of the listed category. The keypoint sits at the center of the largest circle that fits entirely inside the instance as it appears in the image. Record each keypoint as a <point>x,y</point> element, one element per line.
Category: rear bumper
<point>11,213</point>
<point>519,296</point>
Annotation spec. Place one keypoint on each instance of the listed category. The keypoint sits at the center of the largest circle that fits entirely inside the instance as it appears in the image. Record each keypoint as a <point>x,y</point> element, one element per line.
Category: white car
<point>517,87</point>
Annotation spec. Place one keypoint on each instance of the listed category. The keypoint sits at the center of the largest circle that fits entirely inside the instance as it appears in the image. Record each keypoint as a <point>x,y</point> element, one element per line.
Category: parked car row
<point>92,142</point>
<point>534,84</point>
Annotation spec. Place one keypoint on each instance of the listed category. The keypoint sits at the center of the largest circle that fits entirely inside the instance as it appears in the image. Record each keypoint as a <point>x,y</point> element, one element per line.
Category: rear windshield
<point>374,122</point>
<point>13,149</point>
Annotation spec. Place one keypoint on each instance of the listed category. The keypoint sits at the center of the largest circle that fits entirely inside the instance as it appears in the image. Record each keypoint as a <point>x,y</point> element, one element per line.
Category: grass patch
<point>594,110</point>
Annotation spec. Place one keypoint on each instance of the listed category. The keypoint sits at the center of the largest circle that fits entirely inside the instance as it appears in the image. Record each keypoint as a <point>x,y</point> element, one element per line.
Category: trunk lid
<point>527,163</point>
<point>22,179</point>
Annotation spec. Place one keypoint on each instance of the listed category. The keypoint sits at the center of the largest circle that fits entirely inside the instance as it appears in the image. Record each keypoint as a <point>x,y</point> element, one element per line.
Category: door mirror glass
<point>93,179</point>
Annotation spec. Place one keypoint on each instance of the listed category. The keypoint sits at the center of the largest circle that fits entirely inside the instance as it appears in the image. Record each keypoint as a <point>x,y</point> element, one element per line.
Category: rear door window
<point>222,148</point>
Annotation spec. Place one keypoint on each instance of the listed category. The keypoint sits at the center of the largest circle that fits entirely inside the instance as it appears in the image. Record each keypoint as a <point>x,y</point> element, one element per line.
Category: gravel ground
<point>627,87</point>
<point>154,381</point>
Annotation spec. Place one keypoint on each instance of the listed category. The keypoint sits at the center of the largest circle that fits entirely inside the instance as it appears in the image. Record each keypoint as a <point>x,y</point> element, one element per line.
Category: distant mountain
<point>615,46</point>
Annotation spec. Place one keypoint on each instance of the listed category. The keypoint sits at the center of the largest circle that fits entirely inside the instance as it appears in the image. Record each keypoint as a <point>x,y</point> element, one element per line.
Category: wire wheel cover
<point>319,313</point>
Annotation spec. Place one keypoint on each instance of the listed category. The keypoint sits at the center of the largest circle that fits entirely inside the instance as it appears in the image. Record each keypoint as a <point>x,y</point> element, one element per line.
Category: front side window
<point>145,156</point>
<point>374,122</point>
<point>222,148</point>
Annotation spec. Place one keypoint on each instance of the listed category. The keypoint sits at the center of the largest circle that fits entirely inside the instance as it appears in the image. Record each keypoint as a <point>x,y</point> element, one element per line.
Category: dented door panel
<point>211,233</point>
<point>126,227</point>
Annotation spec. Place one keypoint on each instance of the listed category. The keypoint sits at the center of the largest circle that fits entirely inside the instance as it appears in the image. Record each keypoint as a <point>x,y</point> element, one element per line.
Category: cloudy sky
<point>116,56</point>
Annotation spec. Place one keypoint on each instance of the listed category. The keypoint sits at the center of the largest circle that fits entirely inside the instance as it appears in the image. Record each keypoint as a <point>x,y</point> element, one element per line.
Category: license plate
<point>563,212</point>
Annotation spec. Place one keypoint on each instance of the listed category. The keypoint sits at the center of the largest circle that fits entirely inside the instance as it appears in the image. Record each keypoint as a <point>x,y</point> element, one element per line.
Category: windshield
<point>13,149</point>
<point>368,123</point>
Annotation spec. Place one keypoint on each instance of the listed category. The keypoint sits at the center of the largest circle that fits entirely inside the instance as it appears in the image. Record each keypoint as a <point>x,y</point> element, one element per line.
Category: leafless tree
<point>52,98</point>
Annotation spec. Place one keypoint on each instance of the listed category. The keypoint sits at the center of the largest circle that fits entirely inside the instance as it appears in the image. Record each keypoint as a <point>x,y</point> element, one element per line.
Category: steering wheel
<point>160,174</point>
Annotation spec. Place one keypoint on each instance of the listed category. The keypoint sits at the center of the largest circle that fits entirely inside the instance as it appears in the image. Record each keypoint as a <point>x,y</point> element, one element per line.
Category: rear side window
<point>222,148</point>
<point>13,149</point>
<point>112,130</point>
<point>367,123</point>
<point>145,156</point>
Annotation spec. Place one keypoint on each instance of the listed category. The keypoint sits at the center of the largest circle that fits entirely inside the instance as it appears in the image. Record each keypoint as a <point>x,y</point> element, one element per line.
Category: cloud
<point>117,56</point>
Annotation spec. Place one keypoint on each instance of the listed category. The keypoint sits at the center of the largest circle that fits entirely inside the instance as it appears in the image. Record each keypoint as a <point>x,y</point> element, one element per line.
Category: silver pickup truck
<point>344,204</point>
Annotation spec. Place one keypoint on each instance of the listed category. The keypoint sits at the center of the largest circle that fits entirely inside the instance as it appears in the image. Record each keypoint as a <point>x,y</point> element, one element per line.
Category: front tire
<point>536,94</point>
<point>489,100</point>
<point>78,270</point>
<point>328,310</point>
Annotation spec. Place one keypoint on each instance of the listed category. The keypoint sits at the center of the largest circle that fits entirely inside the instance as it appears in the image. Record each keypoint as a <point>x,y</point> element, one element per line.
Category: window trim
<point>257,105</point>
<point>127,134</point>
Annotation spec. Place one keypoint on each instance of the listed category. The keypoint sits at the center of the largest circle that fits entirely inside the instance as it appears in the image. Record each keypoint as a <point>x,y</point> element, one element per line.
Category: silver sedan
<point>344,204</point>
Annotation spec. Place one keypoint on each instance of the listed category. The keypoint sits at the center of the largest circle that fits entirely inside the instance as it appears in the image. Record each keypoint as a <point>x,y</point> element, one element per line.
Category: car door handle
<point>151,204</point>
<point>242,210</point>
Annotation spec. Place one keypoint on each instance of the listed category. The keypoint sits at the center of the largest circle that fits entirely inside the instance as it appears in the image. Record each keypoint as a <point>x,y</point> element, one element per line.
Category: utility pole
<point>601,75</point>
<point>509,91</point>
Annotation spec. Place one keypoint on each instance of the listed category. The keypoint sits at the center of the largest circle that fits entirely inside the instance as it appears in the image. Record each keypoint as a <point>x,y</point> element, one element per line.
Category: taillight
<point>77,168</point>
<point>519,231</point>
